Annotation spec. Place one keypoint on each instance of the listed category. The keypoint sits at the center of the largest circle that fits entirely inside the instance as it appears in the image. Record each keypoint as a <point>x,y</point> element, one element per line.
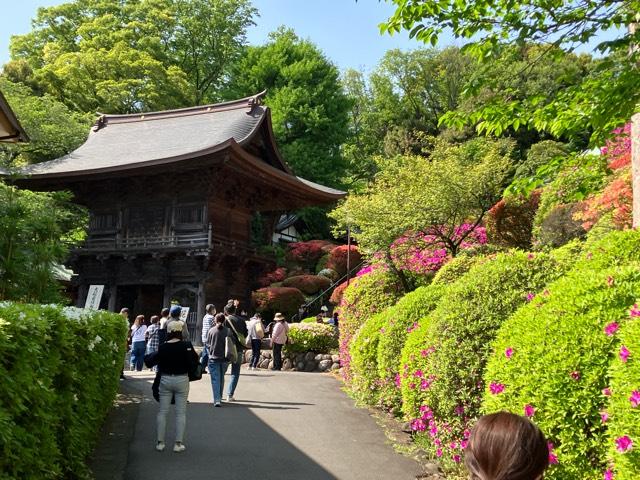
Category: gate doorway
<point>140,300</point>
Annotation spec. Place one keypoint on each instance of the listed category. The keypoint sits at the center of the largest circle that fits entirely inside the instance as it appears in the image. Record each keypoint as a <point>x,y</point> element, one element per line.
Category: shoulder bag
<point>241,338</point>
<point>230,350</point>
<point>195,369</point>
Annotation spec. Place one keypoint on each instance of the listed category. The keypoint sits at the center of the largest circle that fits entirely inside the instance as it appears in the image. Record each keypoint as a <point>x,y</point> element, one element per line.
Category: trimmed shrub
<point>322,263</point>
<point>560,226</point>
<point>621,415</point>
<point>60,369</point>
<point>308,284</point>
<point>270,300</point>
<point>453,270</point>
<point>550,361</point>
<point>278,275</point>
<point>441,375</point>
<point>306,254</point>
<point>332,275</point>
<point>338,292</point>
<point>510,221</point>
<point>338,258</point>
<point>363,350</point>
<point>311,337</point>
<point>365,296</point>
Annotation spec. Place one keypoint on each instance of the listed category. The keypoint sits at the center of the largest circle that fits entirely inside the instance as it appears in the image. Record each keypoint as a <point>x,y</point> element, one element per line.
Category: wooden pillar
<point>200,310</point>
<point>83,290</point>
<point>113,291</point>
<point>635,167</point>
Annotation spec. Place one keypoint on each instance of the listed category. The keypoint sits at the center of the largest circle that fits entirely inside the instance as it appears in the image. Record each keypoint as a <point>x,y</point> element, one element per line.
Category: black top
<point>240,326</point>
<point>176,358</point>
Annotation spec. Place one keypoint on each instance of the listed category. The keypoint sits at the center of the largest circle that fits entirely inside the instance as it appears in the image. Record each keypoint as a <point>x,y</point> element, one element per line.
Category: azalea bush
<point>441,371</point>
<point>364,297</point>
<point>307,284</point>
<point>363,349</point>
<point>622,412</point>
<point>550,362</point>
<point>306,254</point>
<point>615,200</point>
<point>338,258</point>
<point>457,267</point>
<point>510,221</point>
<point>311,337</point>
<point>271,300</point>
<point>338,292</point>
<point>51,410</point>
<point>276,276</point>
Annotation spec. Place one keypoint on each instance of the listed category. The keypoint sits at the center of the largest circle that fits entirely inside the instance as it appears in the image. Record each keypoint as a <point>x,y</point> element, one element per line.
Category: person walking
<point>506,446</point>
<point>278,340</point>
<point>138,343</point>
<point>256,333</point>
<point>239,332</point>
<point>174,316</point>
<point>153,338</point>
<point>218,362</point>
<point>207,323</point>
<point>175,359</point>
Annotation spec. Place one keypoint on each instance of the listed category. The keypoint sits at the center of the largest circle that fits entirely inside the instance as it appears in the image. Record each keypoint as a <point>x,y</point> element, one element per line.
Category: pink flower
<point>635,311</point>
<point>546,293</point>
<point>418,425</point>
<point>463,444</point>
<point>531,256</point>
<point>606,392</point>
<point>624,444</point>
<point>608,475</point>
<point>382,330</point>
<point>496,388</point>
<point>418,373</point>
<point>425,384</point>
<point>604,416</point>
<point>439,452</point>
<point>624,353</point>
<point>635,398</point>
<point>575,375</point>
<point>397,380</point>
<point>456,458</point>
<point>453,445</point>
<point>610,281</point>
<point>529,411</point>
<point>412,385</point>
<point>530,296</point>
<point>611,328</point>
<point>553,458</point>
<point>433,431</point>
<point>459,410</point>
<point>466,434</point>
<point>508,352</point>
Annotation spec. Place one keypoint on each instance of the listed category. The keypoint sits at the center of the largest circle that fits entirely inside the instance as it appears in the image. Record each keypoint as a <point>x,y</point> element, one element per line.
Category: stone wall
<point>301,362</point>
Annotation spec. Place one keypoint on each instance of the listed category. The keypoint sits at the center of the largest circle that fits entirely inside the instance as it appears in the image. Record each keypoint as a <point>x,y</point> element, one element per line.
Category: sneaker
<point>217,404</point>
<point>179,447</point>
<point>160,446</point>
<point>230,398</point>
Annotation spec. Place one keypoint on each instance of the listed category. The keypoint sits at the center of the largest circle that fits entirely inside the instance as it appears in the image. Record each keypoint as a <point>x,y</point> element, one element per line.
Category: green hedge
<point>312,337</point>
<point>624,417</point>
<point>364,297</point>
<point>455,268</point>
<point>559,355</point>
<point>60,372</point>
<point>443,370</point>
<point>364,355</point>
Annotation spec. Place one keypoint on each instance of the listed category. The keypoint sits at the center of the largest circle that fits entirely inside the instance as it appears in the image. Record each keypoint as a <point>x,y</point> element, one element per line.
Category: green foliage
<point>308,105</point>
<point>601,101</point>
<point>131,56</point>
<point>363,350</point>
<point>624,373</point>
<point>36,231</point>
<point>456,185</point>
<point>364,297</point>
<point>311,337</point>
<point>443,369</point>
<point>455,268</point>
<point>53,129</point>
<point>539,155</point>
<point>50,410</point>
<point>560,357</point>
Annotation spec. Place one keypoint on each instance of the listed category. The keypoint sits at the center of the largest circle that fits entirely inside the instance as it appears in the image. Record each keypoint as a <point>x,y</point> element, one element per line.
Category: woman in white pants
<point>175,359</point>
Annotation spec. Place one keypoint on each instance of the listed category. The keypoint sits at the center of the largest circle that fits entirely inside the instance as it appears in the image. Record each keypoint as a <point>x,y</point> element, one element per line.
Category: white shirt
<point>137,333</point>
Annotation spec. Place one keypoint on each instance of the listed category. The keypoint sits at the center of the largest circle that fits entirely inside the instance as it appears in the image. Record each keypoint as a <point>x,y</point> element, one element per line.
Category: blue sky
<point>345,30</point>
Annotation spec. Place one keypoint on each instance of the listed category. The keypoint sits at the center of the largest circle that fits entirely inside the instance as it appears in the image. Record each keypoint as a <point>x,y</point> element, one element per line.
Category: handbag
<point>247,342</point>
<point>195,374</point>
<point>230,350</point>
<point>259,330</point>
<point>241,338</point>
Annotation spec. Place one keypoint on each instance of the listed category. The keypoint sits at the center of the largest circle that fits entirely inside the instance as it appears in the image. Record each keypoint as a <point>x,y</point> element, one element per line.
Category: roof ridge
<point>246,102</point>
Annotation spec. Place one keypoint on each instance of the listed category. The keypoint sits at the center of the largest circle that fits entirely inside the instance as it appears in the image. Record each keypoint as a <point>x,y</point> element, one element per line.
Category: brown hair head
<point>505,446</point>
<point>219,319</point>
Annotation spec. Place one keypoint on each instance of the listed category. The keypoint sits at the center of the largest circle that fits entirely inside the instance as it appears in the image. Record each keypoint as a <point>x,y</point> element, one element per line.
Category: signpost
<point>94,296</point>
<point>184,314</point>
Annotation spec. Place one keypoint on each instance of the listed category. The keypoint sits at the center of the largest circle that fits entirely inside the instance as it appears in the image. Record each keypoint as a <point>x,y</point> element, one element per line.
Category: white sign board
<point>184,313</point>
<point>94,296</point>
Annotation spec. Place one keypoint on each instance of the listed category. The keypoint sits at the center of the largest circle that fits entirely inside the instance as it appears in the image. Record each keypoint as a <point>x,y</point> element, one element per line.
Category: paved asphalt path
<point>283,425</point>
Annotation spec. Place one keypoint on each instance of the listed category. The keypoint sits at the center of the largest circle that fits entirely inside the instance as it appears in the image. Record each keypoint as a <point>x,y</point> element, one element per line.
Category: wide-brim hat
<point>278,316</point>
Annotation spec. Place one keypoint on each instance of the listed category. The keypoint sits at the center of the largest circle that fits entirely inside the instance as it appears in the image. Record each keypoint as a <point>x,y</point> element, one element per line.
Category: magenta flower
<point>624,353</point>
<point>433,431</point>
<point>530,296</point>
<point>466,434</point>
<point>496,388</point>
<point>529,411</point>
<point>453,445</point>
<point>635,398</point>
<point>397,380</point>
<point>459,410</point>
<point>634,311</point>
<point>606,392</point>
<point>531,256</point>
<point>412,385</point>
<point>382,330</point>
<point>463,444</point>
<point>575,375</point>
<point>604,416</point>
<point>425,384</point>
<point>456,458</point>
<point>508,352</point>
<point>611,328</point>
<point>608,475</point>
<point>439,452</point>
<point>418,373</point>
<point>624,444</point>
<point>553,458</point>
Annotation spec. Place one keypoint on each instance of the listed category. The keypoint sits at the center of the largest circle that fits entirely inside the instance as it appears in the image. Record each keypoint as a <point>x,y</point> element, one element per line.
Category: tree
<point>36,231</point>
<point>53,129</point>
<point>309,107</point>
<point>132,55</point>
<point>427,197</point>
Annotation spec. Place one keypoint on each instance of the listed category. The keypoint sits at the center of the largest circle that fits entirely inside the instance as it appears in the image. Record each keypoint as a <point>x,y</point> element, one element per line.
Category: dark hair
<point>175,334</point>
<point>210,307</point>
<point>164,312</point>
<point>229,309</point>
<point>141,318</point>
<point>505,446</point>
<point>154,319</point>
<point>219,319</point>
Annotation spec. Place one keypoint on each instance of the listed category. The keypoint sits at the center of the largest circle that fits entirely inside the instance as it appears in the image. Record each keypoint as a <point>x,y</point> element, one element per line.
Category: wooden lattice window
<point>100,222</point>
<point>189,215</point>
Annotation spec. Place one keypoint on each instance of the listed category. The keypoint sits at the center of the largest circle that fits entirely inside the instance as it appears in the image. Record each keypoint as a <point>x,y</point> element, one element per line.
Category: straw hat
<point>278,317</point>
